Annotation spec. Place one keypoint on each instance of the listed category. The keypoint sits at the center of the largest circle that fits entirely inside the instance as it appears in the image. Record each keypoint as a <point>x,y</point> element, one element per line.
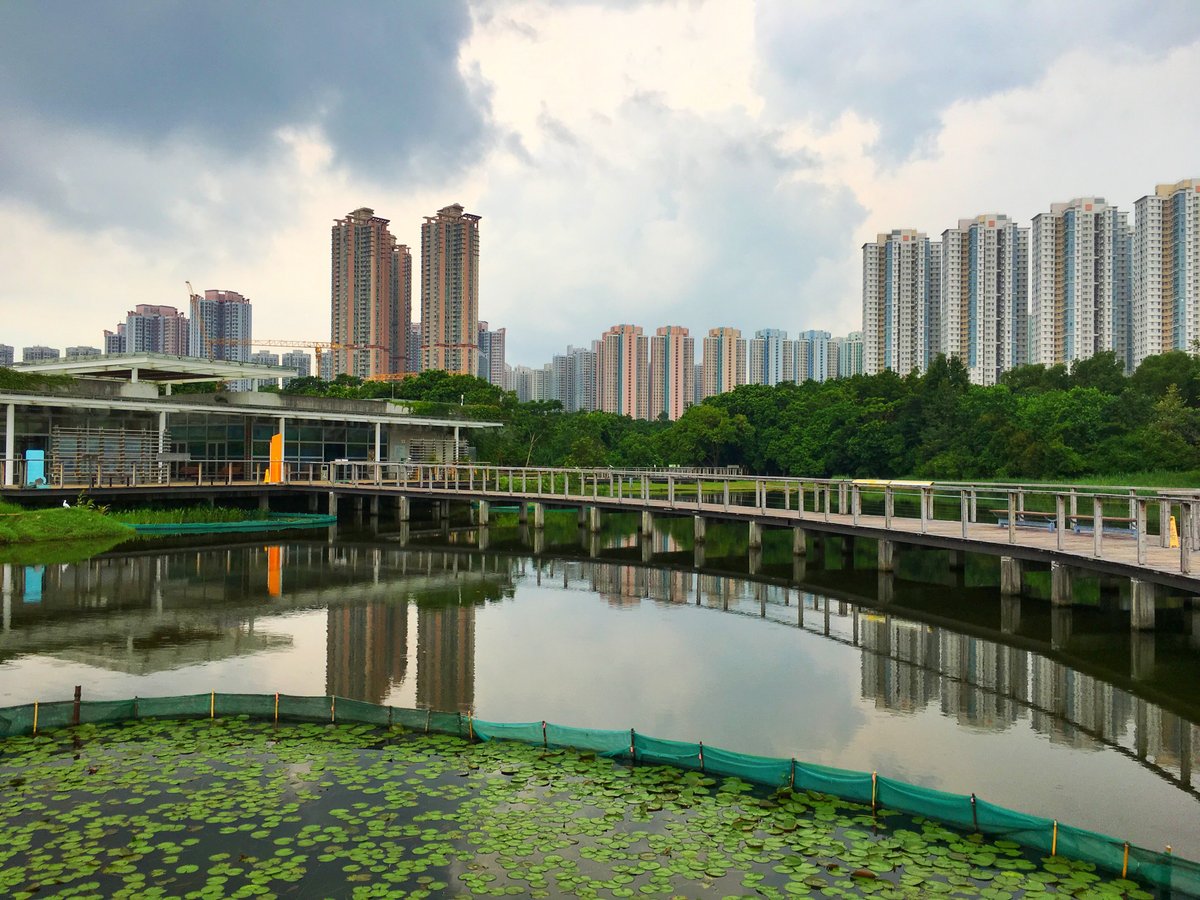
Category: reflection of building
<point>366,649</point>
<point>899,662</point>
<point>982,678</point>
<point>619,585</point>
<point>446,658</point>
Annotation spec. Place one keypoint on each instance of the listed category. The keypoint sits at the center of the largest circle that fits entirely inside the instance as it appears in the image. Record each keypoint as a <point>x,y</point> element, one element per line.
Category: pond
<point>943,684</point>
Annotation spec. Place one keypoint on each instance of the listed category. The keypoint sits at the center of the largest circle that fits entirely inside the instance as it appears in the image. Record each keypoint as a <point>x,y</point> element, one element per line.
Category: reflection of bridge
<point>908,665</point>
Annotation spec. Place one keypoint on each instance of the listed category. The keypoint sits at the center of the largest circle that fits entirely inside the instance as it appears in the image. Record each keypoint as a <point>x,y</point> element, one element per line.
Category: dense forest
<point>1038,423</point>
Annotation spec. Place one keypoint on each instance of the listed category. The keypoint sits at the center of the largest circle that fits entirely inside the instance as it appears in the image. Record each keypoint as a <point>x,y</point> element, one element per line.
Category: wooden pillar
<point>333,501</point>
<point>373,507</point>
<point>799,541</point>
<point>698,524</point>
<point>1060,584</point>
<point>887,556</point>
<point>1010,576</point>
<point>539,515</point>
<point>1143,595</point>
<point>755,533</point>
<point>646,523</point>
<point>484,513</point>
<point>403,509</point>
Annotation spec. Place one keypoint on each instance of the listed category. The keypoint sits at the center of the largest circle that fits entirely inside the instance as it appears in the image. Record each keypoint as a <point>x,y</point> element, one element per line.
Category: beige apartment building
<point>450,291</point>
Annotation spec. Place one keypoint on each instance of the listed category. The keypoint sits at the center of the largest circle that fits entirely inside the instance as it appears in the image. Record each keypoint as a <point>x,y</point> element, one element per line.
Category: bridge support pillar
<point>373,507</point>
<point>483,513</point>
<point>539,540</point>
<point>1061,622</point>
<point>403,510</point>
<point>593,546</point>
<point>799,568</point>
<point>591,518</point>
<point>1010,576</point>
<point>484,536</point>
<point>886,592</point>
<point>754,560</point>
<point>647,546</point>
<point>264,503</point>
<point>1010,614</point>
<point>755,535</point>
<point>356,503</point>
<point>698,556</point>
<point>522,512</point>
<point>1141,656</point>
<point>698,526</point>
<point>646,523</point>
<point>887,556</point>
<point>314,503</point>
<point>1060,584</point>
<point>435,508</point>
<point>1142,596</point>
<point>958,560</point>
<point>799,541</point>
<point>332,503</point>
<point>539,516</point>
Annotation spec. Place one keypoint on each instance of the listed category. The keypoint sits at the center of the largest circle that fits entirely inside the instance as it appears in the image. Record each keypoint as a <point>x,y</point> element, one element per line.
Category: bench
<point>1082,524</point>
<point>1027,518</point>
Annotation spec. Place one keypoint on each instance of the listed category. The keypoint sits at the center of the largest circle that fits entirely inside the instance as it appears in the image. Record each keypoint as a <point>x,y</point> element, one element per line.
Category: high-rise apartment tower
<point>450,291</point>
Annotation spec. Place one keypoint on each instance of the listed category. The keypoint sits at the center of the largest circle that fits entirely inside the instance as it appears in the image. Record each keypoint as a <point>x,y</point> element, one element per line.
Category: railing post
<point>1185,539</point>
<point>855,503</point>
<point>964,510</point>
<point>1140,525</point>
<point>1164,523</point>
<point>726,484</point>
<point>671,491</point>
<point>1097,526</point>
<point>1133,503</point>
<point>1060,520</point>
<point>828,499</point>
<point>974,505</point>
<point>924,510</point>
<point>1012,517</point>
<point>887,506</point>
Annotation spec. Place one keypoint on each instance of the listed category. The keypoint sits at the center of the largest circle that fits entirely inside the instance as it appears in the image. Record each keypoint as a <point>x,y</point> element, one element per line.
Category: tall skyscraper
<point>219,326</point>
<point>849,354</point>
<point>985,296</point>
<point>1081,282</point>
<point>152,329</point>
<point>575,379</point>
<point>723,361</point>
<point>796,356</point>
<point>766,356</point>
<point>672,367</point>
<point>491,354</point>
<point>815,356</point>
<point>623,372</point>
<point>901,301</point>
<point>1166,270</point>
<point>450,291</point>
<point>414,347</point>
<point>371,296</point>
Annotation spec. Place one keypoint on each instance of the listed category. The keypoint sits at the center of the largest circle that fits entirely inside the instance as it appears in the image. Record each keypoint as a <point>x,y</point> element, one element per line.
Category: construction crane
<point>319,347</point>
<point>391,376</point>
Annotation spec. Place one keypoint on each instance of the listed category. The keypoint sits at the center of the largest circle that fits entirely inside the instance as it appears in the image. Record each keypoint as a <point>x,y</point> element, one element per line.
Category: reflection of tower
<point>982,679</point>
<point>367,650</point>
<point>899,663</point>
<point>446,658</point>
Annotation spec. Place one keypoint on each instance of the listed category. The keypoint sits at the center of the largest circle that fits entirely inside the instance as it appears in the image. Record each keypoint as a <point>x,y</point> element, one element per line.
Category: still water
<point>927,676</point>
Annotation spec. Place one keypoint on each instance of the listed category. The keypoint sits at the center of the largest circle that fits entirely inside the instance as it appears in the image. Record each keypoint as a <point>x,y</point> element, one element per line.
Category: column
<point>1010,576</point>
<point>887,556</point>
<point>539,516</point>
<point>1010,614</point>
<point>264,503</point>
<point>755,533</point>
<point>378,443</point>
<point>698,556</point>
<point>484,513</point>
<point>698,526</point>
<point>754,560</point>
<point>403,509</point>
<point>484,537</point>
<point>1141,610</point>
<point>333,501</point>
<point>283,448</point>
<point>1060,584</point>
<point>799,541</point>
<point>1141,658</point>
<point>593,519</point>
<point>10,445</point>
<point>373,507</point>
<point>646,525</point>
<point>886,590</point>
<point>958,560</point>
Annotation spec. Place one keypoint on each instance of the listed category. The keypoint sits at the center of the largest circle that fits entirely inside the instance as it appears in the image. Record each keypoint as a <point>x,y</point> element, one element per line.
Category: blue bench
<point>1027,519</point>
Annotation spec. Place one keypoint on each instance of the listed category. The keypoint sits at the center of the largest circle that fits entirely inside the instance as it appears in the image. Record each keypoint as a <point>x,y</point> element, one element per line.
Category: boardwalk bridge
<point>1149,536</point>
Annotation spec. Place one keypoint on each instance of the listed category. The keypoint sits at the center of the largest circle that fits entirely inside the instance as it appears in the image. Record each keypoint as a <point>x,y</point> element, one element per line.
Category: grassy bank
<point>186,515</point>
<point>28,526</point>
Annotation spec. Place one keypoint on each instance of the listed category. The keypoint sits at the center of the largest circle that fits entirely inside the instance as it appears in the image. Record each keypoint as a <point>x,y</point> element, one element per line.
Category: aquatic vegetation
<point>229,807</point>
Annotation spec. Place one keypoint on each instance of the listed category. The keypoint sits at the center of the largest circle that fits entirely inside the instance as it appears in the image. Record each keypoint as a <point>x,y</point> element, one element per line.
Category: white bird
<point>66,505</point>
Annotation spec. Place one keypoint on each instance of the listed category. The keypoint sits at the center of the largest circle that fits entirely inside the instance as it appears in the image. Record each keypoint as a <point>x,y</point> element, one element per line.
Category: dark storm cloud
<point>381,78</point>
<point>902,64</point>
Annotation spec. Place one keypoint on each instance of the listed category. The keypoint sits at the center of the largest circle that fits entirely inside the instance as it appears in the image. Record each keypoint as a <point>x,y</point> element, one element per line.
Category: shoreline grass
<point>30,526</point>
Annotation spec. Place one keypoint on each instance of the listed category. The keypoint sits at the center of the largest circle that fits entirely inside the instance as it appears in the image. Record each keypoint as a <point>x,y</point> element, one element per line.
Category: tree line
<point>1038,423</point>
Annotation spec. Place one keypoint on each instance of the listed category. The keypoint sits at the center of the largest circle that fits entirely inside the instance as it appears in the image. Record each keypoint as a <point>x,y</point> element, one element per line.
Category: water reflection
<point>418,625</point>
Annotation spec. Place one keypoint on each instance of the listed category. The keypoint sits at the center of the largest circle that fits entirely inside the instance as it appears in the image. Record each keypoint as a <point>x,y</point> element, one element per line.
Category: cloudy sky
<point>676,162</point>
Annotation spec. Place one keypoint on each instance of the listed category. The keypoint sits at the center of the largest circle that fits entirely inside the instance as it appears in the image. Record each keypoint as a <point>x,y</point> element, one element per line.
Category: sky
<point>683,162</point>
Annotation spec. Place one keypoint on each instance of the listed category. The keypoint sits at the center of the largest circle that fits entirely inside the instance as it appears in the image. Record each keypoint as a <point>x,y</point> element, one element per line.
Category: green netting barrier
<point>187,706</point>
<point>954,809</point>
<point>1162,870</point>
<point>666,753</point>
<point>766,770</point>
<point>599,741</point>
<point>843,783</point>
